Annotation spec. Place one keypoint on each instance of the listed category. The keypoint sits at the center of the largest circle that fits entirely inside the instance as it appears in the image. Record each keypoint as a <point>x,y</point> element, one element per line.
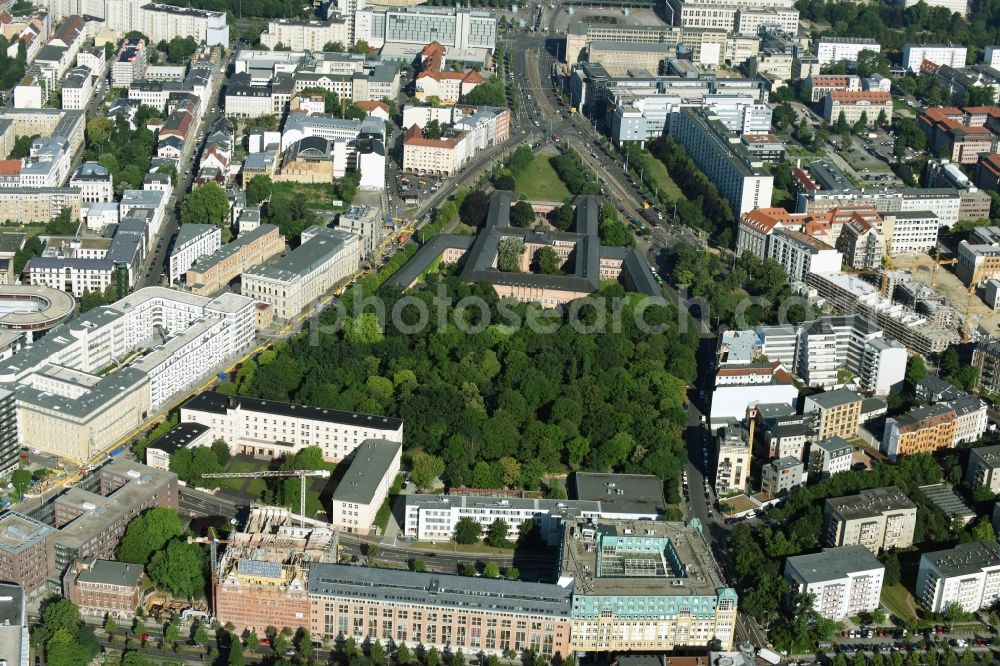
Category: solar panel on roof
<point>258,568</point>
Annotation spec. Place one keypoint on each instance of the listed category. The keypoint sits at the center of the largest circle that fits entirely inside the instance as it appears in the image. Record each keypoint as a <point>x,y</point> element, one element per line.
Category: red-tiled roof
<point>850,96</point>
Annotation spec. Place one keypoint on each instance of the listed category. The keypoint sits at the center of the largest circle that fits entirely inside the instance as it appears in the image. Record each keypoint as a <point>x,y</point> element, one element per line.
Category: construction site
<point>261,578</point>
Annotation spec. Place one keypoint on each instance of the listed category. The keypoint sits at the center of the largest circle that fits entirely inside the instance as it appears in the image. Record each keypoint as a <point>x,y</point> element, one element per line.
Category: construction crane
<point>213,542</point>
<point>271,474</point>
<point>938,261</point>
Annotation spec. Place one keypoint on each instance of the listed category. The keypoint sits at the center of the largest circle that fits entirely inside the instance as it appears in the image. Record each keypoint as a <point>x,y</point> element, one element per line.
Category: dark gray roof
<point>109,572</point>
<point>965,559</point>
<point>425,256</point>
<point>448,591</point>
<point>369,465</point>
<point>179,437</point>
<point>832,563</point>
<point>837,398</point>
<point>621,493</point>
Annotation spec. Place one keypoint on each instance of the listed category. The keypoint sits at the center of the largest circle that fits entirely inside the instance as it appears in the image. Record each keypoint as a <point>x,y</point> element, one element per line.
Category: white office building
<point>272,429</point>
<point>844,581</point>
<point>968,574</point>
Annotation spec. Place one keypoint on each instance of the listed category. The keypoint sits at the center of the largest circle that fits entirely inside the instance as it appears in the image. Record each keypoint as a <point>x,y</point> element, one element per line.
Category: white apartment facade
<point>968,574</point>
<point>878,519</point>
<point>77,88</point>
<point>801,255</point>
<point>193,242</point>
<point>834,49</point>
<point>325,258</point>
<point>365,486</point>
<point>939,54</point>
<point>268,428</point>
<point>96,183</point>
<point>844,581</point>
<point>308,35</point>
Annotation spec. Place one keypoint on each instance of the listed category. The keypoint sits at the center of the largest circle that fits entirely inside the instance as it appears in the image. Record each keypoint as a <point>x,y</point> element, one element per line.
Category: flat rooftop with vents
<point>622,496</point>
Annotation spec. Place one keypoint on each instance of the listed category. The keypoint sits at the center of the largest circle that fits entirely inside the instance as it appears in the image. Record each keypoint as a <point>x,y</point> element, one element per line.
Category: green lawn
<point>899,602</point>
<point>780,197</point>
<point>539,182</point>
<point>663,179</point>
<point>317,195</point>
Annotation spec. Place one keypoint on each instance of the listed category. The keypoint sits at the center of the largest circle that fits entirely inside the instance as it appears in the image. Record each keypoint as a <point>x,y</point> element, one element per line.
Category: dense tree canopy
<point>148,534</point>
<point>491,93</point>
<point>205,204</point>
<point>542,398</point>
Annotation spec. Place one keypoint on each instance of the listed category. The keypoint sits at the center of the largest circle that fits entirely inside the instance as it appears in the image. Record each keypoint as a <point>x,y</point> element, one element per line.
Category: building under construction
<point>262,578</point>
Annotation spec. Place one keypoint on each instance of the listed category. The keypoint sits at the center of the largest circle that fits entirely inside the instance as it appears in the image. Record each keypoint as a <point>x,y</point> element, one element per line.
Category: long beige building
<point>878,519</point>
<point>213,273</point>
<point>325,257</point>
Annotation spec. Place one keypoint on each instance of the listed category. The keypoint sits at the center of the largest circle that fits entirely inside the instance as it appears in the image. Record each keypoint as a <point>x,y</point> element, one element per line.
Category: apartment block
<point>829,456</point>
<point>856,106</point>
<point>923,430</point>
<point>10,449</point>
<point>365,486</point>
<point>779,477</point>
<point>741,178</point>
<point>268,428</point>
<point>979,256</point>
<point>103,588</point>
<point>324,258</point>
<point>70,405</point>
<point>471,133</point>
<point>193,242</point>
<point>213,273</point>
<point>844,581</point>
<point>77,88</point>
<point>837,413</point>
<point>801,255</point>
<point>306,35</point>
<point>968,574</point>
<point>822,85</point>
<point>983,470</point>
<point>836,49</point>
<point>878,519</point>
<point>961,134</point>
<point>986,359</point>
<point>914,55</point>
<point>733,454</point>
<point>130,63</point>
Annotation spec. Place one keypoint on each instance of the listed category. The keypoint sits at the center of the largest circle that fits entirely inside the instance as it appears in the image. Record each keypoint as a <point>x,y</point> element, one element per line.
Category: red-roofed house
<point>373,108</point>
<point>10,173</point>
<point>855,104</point>
<point>824,84</point>
<point>435,81</point>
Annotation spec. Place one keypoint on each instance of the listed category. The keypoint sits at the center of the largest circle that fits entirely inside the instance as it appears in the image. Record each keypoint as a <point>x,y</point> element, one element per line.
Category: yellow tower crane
<point>938,261</point>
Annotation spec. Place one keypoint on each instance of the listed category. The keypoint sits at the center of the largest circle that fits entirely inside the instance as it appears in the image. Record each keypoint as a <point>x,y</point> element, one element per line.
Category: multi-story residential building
<point>733,454</point>
<point>961,134</point>
<point>940,54</point>
<point>923,430</point>
<point>968,574</point>
<point>741,178</point>
<point>986,359</point>
<point>458,28</point>
<point>268,428</point>
<point>837,413</point>
<point>971,418</point>
<point>854,343</point>
<point>801,255</point>
<point>434,80</point>
<point>306,35</point>
<point>164,22</point>
<point>823,84</point>
<point>475,129</point>
<point>70,405</point>
<point>979,256</point>
<point>878,519</point>
<point>94,181</point>
<point>27,552</point>
<point>365,486</point>
<point>193,242</point>
<point>856,106</point>
<point>829,456</point>
<point>745,18</point>
<point>10,450</point>
<point>324,258</point>
<point>104,588</point>
<point>983,469</point>
<point>779,477</point>
<point>77,88</point>
<point>862,245</point>
<point>130,63</point>
<point>633,582</point>
<point>836,49</point>
<point>844,581</point>
<point>366,223</point>
<point>211,274</point>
